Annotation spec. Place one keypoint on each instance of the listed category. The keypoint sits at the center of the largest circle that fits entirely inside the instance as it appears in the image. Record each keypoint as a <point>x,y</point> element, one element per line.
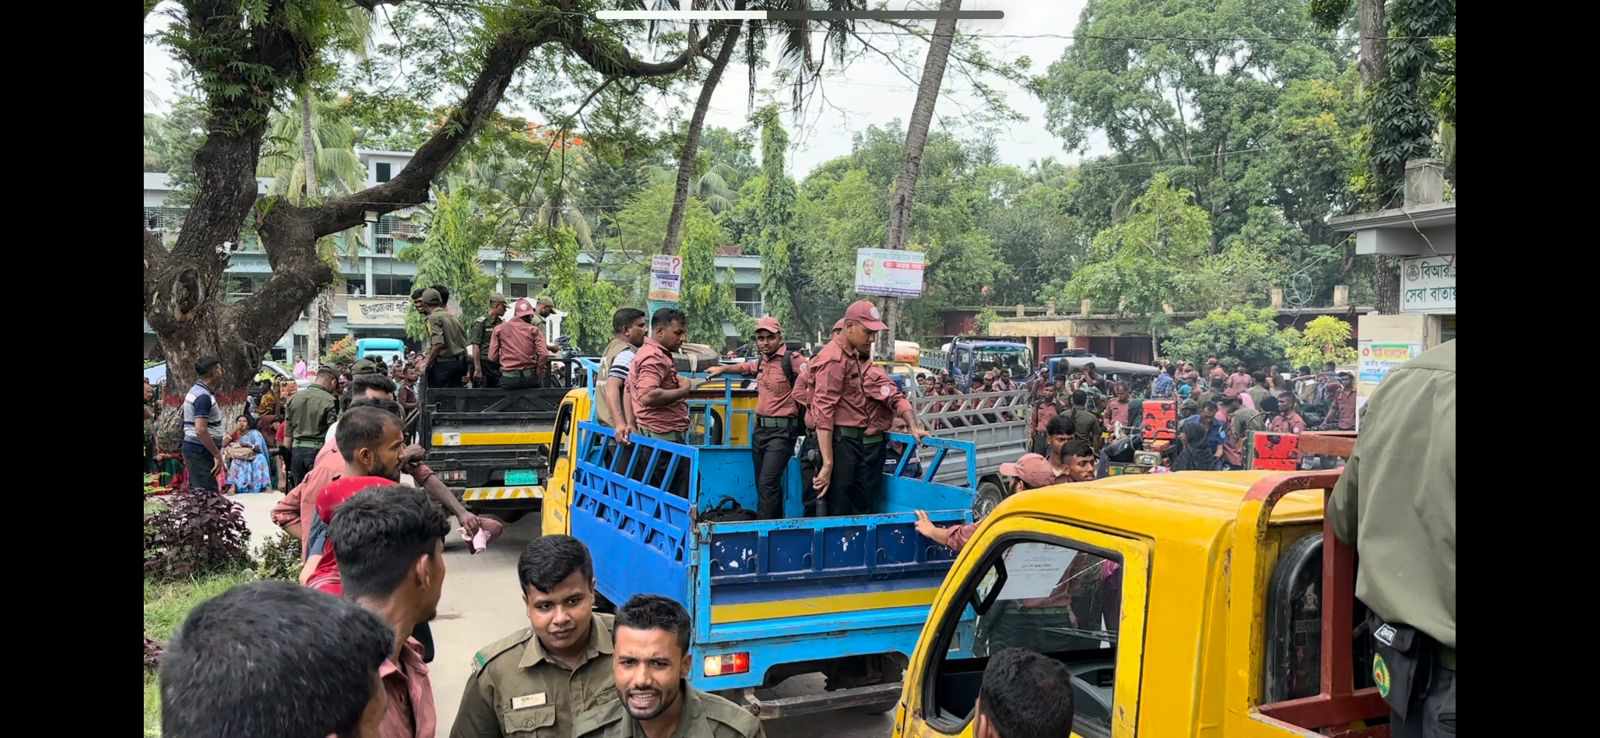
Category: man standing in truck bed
<point>658,396</point>
<point>518,346</point>
<point>778,421</point>
<point>852,455</point>
<point>485,372</point>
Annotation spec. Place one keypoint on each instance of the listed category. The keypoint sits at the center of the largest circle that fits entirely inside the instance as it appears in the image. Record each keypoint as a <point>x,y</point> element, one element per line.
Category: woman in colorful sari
<point>248,475</point>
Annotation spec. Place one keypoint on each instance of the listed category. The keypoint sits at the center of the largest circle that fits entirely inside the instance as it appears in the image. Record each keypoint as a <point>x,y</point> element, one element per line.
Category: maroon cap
<point>1032,469</point>
<point>769,324</point>
<point>866,313</point>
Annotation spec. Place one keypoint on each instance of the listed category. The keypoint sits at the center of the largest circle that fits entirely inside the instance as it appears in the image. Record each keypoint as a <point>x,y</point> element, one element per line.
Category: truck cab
<point>1185,604</point>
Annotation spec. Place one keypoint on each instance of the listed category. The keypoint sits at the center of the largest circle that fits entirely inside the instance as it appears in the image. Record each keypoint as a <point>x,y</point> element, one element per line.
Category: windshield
<point>1013,358</point>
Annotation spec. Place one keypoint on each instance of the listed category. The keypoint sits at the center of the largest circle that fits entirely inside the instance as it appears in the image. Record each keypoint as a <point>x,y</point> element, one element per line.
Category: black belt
<point>850,431</point>
<point>776,421</point>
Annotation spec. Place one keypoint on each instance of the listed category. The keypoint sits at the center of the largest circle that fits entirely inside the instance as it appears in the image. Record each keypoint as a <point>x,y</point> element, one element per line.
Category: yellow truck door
<point>1068,592</point>
<point>563,448</point>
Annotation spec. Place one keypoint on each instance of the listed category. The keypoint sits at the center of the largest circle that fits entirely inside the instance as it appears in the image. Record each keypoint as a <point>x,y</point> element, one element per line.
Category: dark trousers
<point>301,459</point>
<point>447,372</point>
<point>199,463</point>
<point>520,379</point>
<point>490,377</point>
<point>771,449</point>
<point>856,487</point>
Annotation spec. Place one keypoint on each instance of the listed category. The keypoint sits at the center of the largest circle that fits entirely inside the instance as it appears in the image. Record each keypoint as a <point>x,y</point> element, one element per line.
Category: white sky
<point>871,93</point>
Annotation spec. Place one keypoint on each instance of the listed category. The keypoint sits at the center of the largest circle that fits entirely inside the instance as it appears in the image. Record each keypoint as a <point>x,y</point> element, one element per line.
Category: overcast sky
<point>870,93</point>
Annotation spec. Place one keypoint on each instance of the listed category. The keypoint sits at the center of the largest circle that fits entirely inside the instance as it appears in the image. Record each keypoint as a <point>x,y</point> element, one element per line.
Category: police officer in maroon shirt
<point>851,474</point>
<point>778,421</point>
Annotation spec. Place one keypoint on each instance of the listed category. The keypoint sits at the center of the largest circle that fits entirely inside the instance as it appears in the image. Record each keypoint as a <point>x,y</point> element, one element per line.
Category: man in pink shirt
<point>390,545</point>
<point>777,413</point>
<point>518,345</point>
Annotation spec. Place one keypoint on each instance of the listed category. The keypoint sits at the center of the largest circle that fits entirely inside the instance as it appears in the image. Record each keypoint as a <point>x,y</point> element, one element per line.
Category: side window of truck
<point>1059,599</point>
<point>559,440</point>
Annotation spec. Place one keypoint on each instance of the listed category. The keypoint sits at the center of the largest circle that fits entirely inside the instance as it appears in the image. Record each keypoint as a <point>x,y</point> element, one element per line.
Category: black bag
<point>1397,666</point>
<point>728,510</point>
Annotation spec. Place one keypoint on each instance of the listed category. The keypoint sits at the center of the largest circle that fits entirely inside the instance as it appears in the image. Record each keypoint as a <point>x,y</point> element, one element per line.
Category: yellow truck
<point>1186,604</point>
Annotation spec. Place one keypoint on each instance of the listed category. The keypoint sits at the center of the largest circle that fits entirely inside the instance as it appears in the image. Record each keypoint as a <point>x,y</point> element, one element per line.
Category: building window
<point>383,169</point>
<point>386,284</point>
<point>748,299</point>
<point>355,286</point>
<point>164,220</point>
<point>517,289</point>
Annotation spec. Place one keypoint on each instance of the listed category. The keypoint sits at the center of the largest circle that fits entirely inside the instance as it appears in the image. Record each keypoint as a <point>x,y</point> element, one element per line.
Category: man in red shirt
<point>390,540</point>
<point>656,394</point>
<point>1288,419</point>
<point>852,462</point>
<point>1117,408</point>
<point>370,442</point>
<point>518,345</point>
<point>777,412</point>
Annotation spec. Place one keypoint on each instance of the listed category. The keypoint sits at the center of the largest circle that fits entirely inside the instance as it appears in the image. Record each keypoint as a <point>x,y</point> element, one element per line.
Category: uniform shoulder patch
<point>488,653</point>
<point>724,711</point>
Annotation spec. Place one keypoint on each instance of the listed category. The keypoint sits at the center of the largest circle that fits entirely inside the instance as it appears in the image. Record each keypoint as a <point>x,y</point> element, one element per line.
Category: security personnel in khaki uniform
<point>485,372</point>
<point>656,701</point>
<point>522,687</point>
<point>1396,501</point>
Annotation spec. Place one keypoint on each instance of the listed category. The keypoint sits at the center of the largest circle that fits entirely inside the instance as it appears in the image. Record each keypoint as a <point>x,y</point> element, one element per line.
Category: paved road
<point>481,603</point>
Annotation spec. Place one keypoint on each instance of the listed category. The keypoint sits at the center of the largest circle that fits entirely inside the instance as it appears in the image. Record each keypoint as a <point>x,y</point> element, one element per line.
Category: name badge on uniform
<point>528,700</point>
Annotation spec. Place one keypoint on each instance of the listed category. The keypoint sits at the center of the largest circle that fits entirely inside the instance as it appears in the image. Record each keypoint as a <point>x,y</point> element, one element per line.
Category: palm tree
<point>710,186</point>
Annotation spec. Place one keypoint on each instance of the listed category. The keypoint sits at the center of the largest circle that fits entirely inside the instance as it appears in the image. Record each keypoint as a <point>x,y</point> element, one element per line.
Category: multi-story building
<point>374,294</point>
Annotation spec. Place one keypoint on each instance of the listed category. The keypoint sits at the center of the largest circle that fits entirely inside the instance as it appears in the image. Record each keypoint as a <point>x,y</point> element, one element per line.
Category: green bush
<point>280,558</point>
<point>1235,335</point>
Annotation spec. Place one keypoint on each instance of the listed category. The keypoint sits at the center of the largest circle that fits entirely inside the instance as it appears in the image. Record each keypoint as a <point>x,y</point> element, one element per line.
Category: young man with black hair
<point>650,671</point>
<point>390,544</point>
<point>308,416</point>
<point>370,444</point>
<point>627,334</point>
<point>237,657</point>
<point>202,427</point>
<point>1023,695</point>
<point>541,677</point>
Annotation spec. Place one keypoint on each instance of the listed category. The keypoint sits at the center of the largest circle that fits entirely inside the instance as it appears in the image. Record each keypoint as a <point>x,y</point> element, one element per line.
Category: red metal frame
<point>1338,705</point>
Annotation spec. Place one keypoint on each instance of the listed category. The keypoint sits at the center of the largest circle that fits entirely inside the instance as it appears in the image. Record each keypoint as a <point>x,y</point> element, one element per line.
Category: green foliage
<point>707,299</point>
<point>1325,339</point>
<point>774,239</point>
<point>1154,256</point>
<point>1440,82</point>
<point>449,256</point>
<point>587,300</point>
<point>1247,105</point>
<point>279,558</point>
<point>1234,335</point>
<point>337,169</point>
<point>1401,111</point>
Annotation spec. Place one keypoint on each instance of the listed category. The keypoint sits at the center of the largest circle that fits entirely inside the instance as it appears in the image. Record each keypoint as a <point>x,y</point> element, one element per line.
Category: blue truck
<point>844,596</point>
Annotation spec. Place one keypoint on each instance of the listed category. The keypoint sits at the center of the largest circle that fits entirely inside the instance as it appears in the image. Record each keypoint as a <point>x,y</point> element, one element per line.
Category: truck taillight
<point>728,663</point>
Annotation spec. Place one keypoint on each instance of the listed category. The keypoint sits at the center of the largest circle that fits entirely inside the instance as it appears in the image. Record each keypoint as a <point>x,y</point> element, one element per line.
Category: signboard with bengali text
<point>666,278</point>
<point>889,272</point>
<point>1428,285</point>
<point>377,312</point>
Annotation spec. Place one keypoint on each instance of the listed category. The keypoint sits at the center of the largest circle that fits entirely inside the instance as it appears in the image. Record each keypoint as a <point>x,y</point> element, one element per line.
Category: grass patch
<point>152,507</point>
<point>167,604</point>
<point>165,607</point>
<point>152,707</point>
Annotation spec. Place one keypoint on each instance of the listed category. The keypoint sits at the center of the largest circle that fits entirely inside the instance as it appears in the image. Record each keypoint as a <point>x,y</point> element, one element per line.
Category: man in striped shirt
<point>202,427</point>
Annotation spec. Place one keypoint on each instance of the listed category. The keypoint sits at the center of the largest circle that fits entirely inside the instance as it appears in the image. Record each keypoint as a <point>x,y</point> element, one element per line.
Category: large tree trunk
<point>905,185</point>
<point>691,142</point>
<point>183,288</point>
<point>1369,17</point>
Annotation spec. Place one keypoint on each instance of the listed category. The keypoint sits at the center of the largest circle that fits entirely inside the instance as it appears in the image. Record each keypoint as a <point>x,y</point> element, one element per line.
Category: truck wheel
<point>990,493</point>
